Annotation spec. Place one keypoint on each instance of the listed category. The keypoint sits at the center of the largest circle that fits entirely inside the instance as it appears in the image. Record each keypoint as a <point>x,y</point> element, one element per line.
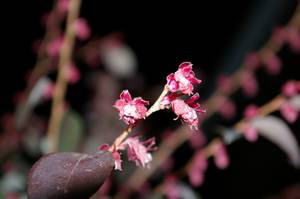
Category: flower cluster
<point>183,79</point>
<point>137,151</point>
<point>131,110</point>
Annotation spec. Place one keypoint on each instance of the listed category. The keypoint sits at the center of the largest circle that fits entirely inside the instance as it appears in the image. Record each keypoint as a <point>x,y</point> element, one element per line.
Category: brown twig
<point>61,83</point>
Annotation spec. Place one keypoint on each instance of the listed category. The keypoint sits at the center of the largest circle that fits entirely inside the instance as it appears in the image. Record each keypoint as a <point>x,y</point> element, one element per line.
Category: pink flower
<point>82,29</point>
<point>187,110</point>
<point>290,88</point>
<point>196,171</point>
<point>250,133</point>
<point>289,112</point>
<point>54,46</point>
<point>73,74</point>
<point>251,111</point>
<point>183,79</point>
<point>172,189</point>
<point>166,101</point>
<point>249,84</point>
<point>220,156</point>
<point>139,151</point>
<point>131,110</point>
<point>63,6</point>
<point>272,63</point>
<point>293,39</point>
<point>228,108</point>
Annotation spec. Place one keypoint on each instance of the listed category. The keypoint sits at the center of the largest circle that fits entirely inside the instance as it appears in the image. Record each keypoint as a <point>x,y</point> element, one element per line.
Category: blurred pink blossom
<point>227,109</point>
<point>225,83</point>
<point>272,63</point>
<point>251,111</point>
<point>290,88</point>
<point>197,169</point>
<point>131,110</point>
<point>220,156</point>
<point>293,39</point>
<point>171,187</point>
<point>63,6</point>
<point>54,46</point>
<point>289,112</point>
<point>250,133</point>
<point>183,79</point>
<point>249,84</point>
<point>83,30</point>
<point>73,74</point>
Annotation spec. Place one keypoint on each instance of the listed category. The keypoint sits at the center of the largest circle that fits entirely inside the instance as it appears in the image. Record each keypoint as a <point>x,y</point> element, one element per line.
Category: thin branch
<point>61,83</point>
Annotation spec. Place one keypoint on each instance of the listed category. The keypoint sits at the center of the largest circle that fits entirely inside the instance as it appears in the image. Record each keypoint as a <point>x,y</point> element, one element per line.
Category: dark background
<point>214,35</point>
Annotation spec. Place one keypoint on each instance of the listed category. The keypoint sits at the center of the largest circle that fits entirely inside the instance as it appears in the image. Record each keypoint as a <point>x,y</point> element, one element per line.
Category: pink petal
<point>293,38</point>
<point>63,5</point>
<point>251,111</point>
<point>220,157</point>
<point>126,95</point>
<point>116,155</point>
<point>82,29</point>
<point>104,147</point>
<point>250,134</point>
<point>273,64</point>
<point>73,74</point>
<point>289,112</point>
<point>249,85</point>
<point>228,109</point>
<point>48,90</point>
<point>185,64</point>
<point>290,89</point>
<point>192,99</point>
<point>140,101</point>
<point>54,46</point>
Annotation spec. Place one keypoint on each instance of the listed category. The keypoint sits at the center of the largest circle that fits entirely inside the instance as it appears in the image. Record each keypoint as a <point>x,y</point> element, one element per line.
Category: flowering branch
<point>61,84</point>
<point>138,178</point>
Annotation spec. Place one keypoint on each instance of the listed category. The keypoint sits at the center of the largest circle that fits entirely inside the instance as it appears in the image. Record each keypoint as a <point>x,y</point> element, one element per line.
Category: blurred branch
<point>208,151</point>
<point>180,136</point>
<point>61,83</point>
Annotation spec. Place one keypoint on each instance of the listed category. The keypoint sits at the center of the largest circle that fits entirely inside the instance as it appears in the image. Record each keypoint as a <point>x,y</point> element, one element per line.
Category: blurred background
<point>131,46</point>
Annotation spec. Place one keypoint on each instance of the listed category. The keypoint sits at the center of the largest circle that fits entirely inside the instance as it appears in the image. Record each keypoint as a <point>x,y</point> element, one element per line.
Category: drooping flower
<point>249,84</point>
<point>250,111</point>
<point>227,109</point>
<point>54,46</point>
<point>197,169</point>
<point>115,154</point>
<point>187,110</point>
<point>131,110</point>
<point>289,112</point>
<point>250,133</point>
<point>272,63</point>
<point>183,79</point>
<point>82,29</point>
<point>290,88</point>
<point>220,156</point>
<point>139,151</point>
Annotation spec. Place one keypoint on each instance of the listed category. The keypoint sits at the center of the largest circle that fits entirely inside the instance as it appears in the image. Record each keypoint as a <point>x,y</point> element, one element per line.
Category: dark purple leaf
<point>68,175</point>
